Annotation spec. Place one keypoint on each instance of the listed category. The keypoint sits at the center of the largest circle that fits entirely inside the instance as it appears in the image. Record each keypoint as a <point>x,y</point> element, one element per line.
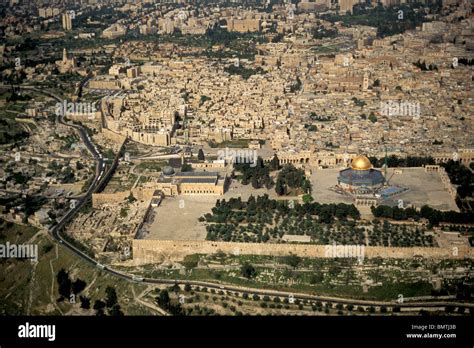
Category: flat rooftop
<point>195,174</point>
<point>198,180</point>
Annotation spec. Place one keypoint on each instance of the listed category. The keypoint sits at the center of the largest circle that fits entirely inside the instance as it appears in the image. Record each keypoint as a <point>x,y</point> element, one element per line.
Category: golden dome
<point>361,163</point>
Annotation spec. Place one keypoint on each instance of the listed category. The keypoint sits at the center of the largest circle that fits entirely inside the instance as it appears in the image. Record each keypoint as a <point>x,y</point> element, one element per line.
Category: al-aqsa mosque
<point>360,177</point>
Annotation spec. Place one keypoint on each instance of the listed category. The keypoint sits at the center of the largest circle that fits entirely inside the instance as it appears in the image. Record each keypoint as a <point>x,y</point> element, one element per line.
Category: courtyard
<point>423,188</point>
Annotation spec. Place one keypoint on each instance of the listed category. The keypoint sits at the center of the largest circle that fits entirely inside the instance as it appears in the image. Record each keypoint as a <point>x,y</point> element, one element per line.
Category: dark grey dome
<point>168,170</point>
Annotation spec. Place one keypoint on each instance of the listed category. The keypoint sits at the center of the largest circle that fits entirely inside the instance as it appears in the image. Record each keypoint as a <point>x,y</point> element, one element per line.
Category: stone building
<point>192,183</point>
<point>244,25</point>
<point>360,177</point>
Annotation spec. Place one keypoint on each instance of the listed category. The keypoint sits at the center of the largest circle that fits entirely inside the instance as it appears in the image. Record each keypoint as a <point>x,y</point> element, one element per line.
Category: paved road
<point>100,171</point>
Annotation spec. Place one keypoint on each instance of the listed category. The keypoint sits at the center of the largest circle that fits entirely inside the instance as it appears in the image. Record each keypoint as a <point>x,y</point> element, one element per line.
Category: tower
<point>66,20</point>
<point>365,83</point>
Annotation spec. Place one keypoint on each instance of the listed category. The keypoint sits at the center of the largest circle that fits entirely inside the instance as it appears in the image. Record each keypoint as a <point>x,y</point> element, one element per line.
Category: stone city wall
<point>107,198</point>
<point>153,251</point>
<point>141,194</point>
<point>113,136</point>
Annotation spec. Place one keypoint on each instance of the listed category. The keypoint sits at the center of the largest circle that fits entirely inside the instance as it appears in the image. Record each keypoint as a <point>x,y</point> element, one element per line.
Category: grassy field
<point>385,292</point>
<point>28,288</point>
<point>150,166</point>
<point>337,277</point>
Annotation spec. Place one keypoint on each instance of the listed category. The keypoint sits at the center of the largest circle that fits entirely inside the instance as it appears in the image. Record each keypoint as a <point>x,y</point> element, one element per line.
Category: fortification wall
<point>106,198</point>
<point>152,251</point>
<point>141,194</point>
<point>116,137</point>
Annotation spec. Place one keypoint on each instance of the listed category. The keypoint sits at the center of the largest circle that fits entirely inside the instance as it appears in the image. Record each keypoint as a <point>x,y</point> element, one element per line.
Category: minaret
<point>365,83</point>
<point>64,55</point>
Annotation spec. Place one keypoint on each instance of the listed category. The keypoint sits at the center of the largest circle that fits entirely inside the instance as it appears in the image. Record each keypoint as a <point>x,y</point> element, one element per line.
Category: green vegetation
<point>248,271</point>
<point>66,287</point>
<point>186,167</point>
<point>26,288</point>
<point>123,212</point>
<point>313,116</point>
<point>331,277</point>
<point>386,20</point>
<point>203,99</point>
<point>150,166</point>
<point>85,249</point>
<point>321,32</point>
<point>28,204</point>
<point>190,261</point>
<point>462,176</point>
<point>292,260</point>
<point>110,302</point>
<point>358,102</point>
<point>432,215</point>
<point>425,67</point>
<point>311,127</point>
<point>243,71</point>
<point>65,173</point>
<point>296,86</point>
<point>235,143</point>
<point>409,161</point>
<point>201,156</point>
<point>326,49</point>
<point>163,300</point>
<point>399,236</point>
<point>292,181</point>
<point>307,198</point>
<point>262,220</point>
<point>11,131</point>
<point>257,174</point>
<point>15,232</point>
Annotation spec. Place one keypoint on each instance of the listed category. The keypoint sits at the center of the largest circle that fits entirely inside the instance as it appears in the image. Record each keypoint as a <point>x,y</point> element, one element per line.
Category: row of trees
<point>462,176</point>
<point>386,20</point>
<point>243,71</point>
<point>263,203</point>
<point>261,219</point>
<point>432,215</point>
<point>398,236</point>
<point>409,161</point>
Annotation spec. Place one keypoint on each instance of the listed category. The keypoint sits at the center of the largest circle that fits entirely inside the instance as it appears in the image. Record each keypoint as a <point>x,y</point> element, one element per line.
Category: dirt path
<point>31,288</point>
<point>53,300</point>
<point>147,304</point>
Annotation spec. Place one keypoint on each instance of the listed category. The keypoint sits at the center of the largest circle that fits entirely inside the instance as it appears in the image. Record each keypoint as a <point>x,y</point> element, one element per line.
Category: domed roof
<point>361,163</point>
<point>168,170</point>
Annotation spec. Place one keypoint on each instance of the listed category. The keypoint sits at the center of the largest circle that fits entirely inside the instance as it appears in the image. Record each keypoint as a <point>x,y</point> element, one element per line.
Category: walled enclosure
<point>155,251</point>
